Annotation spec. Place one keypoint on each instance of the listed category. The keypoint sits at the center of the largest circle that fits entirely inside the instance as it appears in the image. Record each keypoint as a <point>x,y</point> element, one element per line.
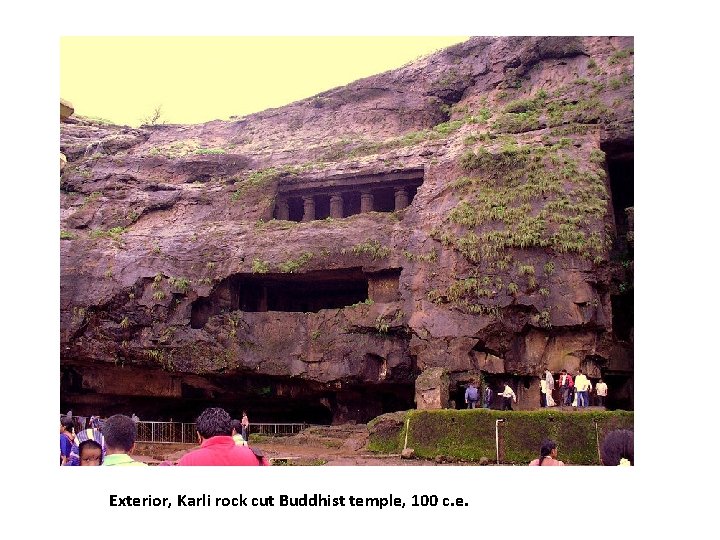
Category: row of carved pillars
<point>402,199</point>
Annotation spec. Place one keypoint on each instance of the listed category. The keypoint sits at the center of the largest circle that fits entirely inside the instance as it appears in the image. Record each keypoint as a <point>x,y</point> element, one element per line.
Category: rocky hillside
<point>466,211</point>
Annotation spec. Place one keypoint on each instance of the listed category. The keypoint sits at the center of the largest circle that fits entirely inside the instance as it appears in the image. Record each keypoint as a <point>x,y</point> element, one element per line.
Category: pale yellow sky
<point>198,79</point>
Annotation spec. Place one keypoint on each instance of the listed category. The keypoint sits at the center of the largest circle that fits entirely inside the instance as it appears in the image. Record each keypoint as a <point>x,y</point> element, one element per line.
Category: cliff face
<point>467,211</point>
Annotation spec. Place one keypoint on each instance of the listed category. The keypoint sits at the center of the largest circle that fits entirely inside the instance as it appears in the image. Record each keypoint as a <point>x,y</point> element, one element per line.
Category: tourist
<point>471,395</point>
<point>90,453</point>
<point>489,394</point>
<point>571,390</point>
<point>550,382</point>
<point>120,433</point>
<point>581,388</point>
<point>217,446</point>
<point>245,427</point>
<point>237,433</point>
<point>564,383</point>
<point>508,397</point>
<point>543,392</point>
<point>601,390</point>
<point>548,454</point>
<point>617,448</point>
<point>67,436</point>
<point>89,434</point>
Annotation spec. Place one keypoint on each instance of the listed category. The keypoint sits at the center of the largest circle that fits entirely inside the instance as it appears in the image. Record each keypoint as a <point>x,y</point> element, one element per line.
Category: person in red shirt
<point>217,447</point>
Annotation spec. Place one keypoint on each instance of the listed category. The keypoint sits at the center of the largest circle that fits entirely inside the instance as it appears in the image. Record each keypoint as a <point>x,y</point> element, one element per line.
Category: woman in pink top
<point>548,454</point>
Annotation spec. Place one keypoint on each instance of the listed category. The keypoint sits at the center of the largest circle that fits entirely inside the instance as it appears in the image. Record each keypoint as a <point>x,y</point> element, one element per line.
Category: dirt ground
<point>328,445</point>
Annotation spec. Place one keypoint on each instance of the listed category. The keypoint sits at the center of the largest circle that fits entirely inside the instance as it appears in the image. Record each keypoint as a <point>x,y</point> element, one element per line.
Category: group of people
<point>617,448</point>
<point>223,441</point>
<point>472,396</point>
<point>573,392</point>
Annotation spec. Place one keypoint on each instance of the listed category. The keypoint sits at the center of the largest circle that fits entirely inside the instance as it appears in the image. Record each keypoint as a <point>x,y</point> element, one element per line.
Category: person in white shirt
<point>550,385</point>
<point>581,388</point>
<point>601,392</point>
<point>508,397</point>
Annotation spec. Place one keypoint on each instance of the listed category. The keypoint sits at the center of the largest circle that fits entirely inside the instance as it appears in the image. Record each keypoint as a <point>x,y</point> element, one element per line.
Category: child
<point>83,436</point>
<point>90,453</point>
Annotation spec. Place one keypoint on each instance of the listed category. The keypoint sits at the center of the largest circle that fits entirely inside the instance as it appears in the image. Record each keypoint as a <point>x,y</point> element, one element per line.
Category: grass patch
<point>254,181</point>
<point>371,247</point>
<point>260,266</point>
<point>293,265</point>
<point>114,234</point>
<point>470,434</point>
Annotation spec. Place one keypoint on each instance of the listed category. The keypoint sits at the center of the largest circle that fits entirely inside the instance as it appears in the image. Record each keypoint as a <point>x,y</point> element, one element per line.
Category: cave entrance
<point>295,209</point>
<point>623,315</point>
<point>267,399</point>
<point>305,293</point>
<point>620,166</point>
<point>308,292</point>
<point>620,391</point>
<point>621,171</point>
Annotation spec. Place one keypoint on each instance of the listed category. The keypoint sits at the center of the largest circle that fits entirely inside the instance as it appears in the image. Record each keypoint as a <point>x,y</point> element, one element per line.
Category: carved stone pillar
<point>308,209</point>
<point>283,209</point>
<point>336,206</point>
<point>367,203</point>
<point>401,198</point>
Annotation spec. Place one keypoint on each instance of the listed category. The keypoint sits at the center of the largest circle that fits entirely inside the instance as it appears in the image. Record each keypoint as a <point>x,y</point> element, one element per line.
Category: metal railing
<point>166,432</point>
<point>181,432</point>
<point>278,429</point>
<point>185,432</point>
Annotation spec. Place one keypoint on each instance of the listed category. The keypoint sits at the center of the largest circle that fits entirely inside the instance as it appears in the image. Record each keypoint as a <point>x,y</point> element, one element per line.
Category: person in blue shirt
<point>66,439</point>
<point>472,395</point>
<point>489,394</point>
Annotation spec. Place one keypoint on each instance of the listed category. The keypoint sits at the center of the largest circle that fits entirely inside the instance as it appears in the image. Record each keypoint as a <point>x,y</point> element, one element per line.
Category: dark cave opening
<point>309,292</point>
<point>384,200</point>
<point>351,203</point>
<point>305,293</point>
<point>620,165</point>
<point>623,315</point>
<point>295,209</point>
<point>322,206</point>
<point>620,391</point>
<point>267,399</point>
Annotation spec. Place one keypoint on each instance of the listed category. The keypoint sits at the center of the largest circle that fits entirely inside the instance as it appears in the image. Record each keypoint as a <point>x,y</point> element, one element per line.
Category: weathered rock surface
<point>432,389</point>
<point>504,256</point>
<point>66,109</point>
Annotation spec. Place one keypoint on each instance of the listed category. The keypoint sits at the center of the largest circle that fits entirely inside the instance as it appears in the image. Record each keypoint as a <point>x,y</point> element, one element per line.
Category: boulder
<point>432,389</point>
<point>66,109</point>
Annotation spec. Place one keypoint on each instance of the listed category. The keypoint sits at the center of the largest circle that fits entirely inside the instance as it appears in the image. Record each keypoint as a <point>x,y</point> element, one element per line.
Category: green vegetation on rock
<point>371,247</point>
<point>293,265</point>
